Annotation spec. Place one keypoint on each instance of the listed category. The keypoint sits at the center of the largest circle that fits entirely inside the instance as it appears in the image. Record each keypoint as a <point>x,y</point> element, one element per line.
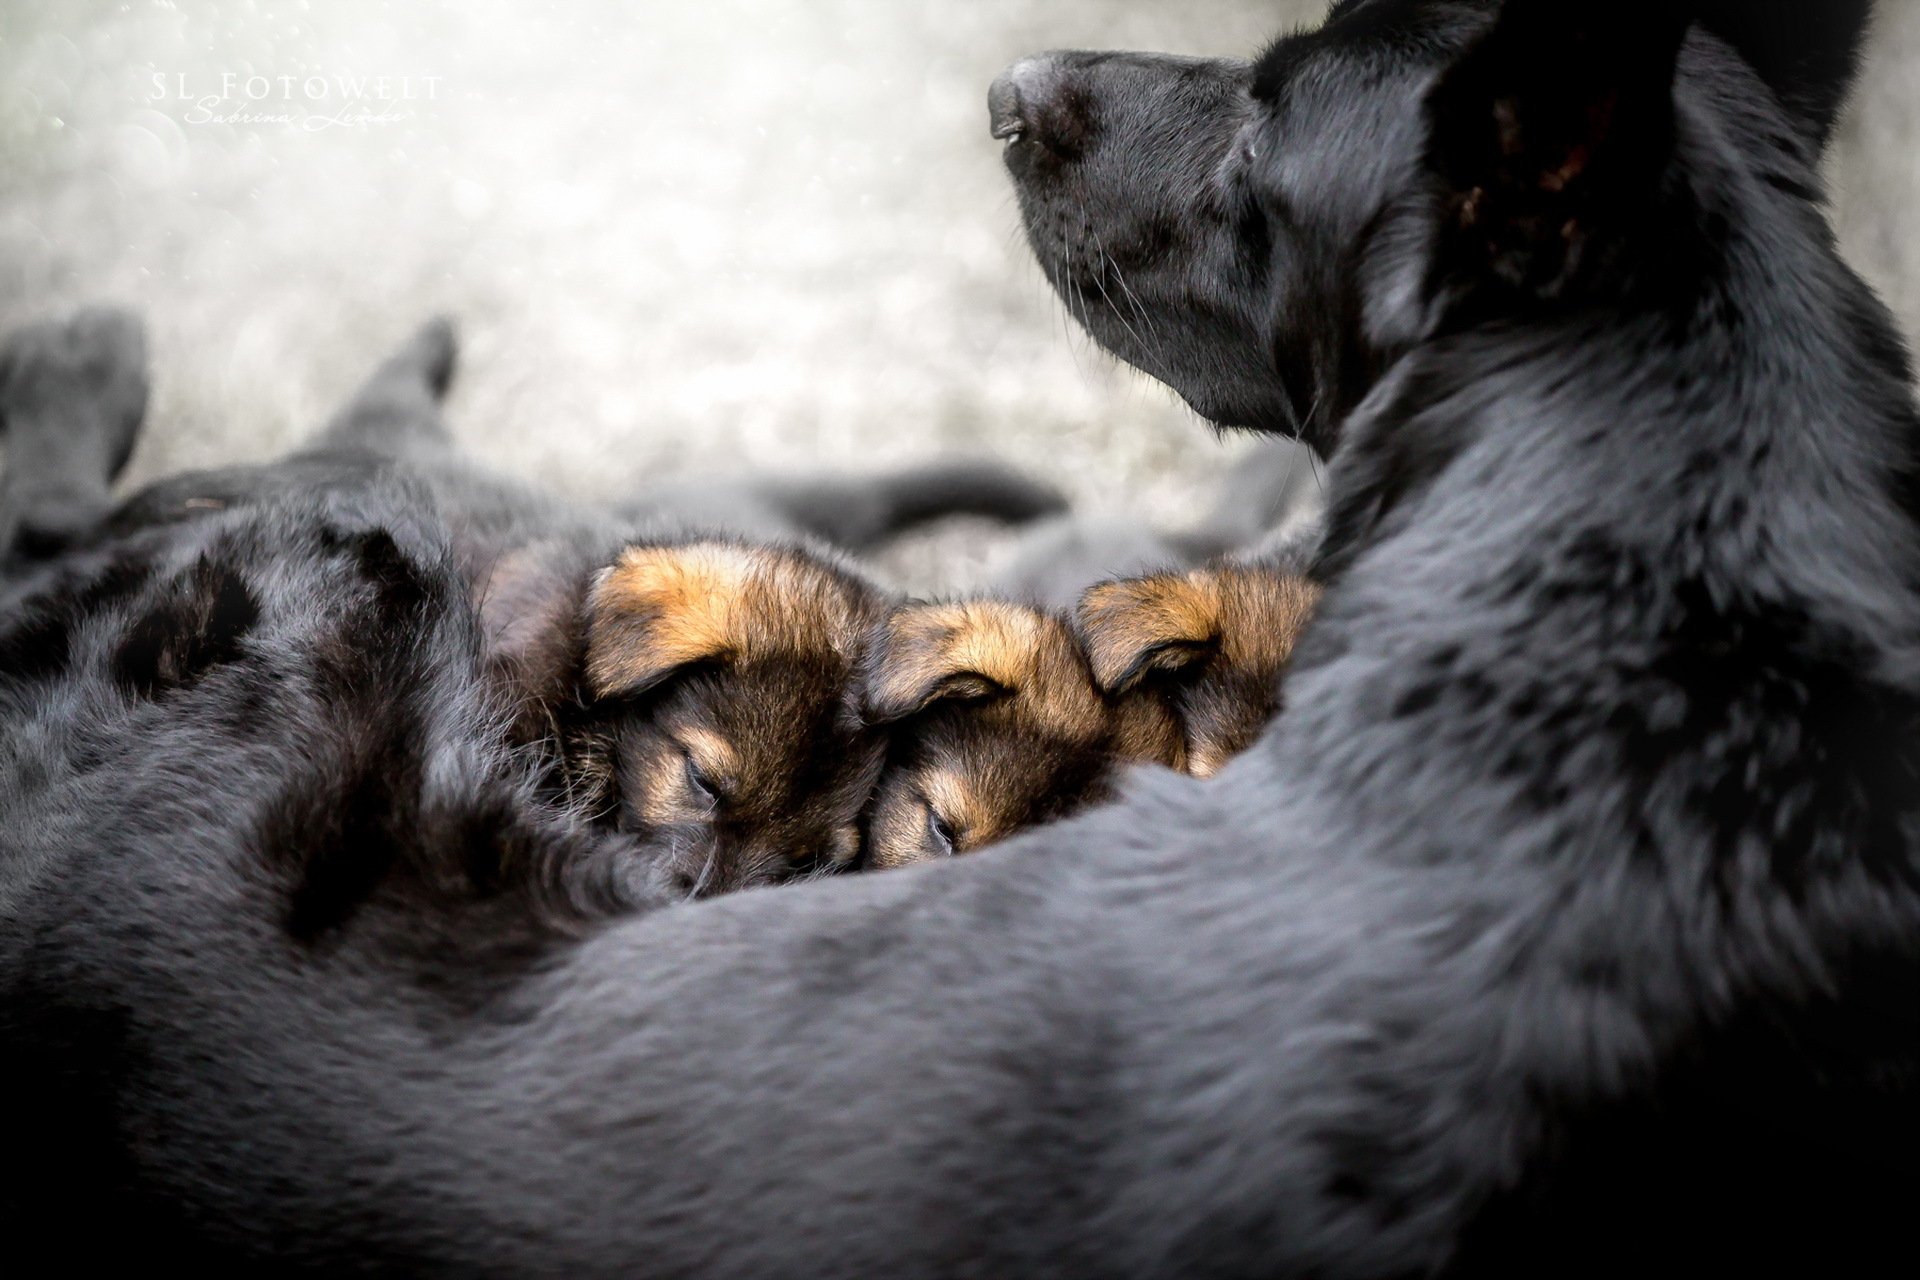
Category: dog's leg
<point>394,416</point>
<point>73,395</point>
<point>858,512</point>
<point>396,413</point>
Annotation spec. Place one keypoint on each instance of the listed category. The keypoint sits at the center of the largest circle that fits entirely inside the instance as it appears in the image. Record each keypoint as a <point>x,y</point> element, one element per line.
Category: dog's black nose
<point>1019,102</point>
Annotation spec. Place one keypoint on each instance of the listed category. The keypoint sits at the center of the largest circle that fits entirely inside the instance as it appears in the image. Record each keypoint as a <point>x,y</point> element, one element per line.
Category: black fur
<point>1565,925</point>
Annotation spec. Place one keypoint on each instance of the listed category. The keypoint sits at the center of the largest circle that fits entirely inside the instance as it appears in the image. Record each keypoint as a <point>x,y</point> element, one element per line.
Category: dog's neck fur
<point>1609,719</point>
<point>1774,357</point>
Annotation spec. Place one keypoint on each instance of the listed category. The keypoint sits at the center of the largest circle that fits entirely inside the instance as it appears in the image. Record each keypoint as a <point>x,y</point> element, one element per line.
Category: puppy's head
<point>1208,647</point>
<point>1268,237</point>
<point>701,695</point>
<point>994,724</point>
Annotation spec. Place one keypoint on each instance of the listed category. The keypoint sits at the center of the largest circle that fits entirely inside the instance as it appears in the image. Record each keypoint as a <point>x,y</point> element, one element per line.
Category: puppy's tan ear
<point>931,653</point>
<point>1137,627</point>
<point>657,610</point>
<point>660,609</point>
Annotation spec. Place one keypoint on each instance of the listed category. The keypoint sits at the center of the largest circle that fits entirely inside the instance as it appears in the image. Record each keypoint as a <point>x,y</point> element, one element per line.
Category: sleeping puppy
<point>994,725</point>
<point>1002,716</point>
<point>697,693</point>
<point>1209,646</point>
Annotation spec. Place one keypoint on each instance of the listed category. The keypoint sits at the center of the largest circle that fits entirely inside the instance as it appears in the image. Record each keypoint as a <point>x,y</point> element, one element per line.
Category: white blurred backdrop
<point>678,236</point>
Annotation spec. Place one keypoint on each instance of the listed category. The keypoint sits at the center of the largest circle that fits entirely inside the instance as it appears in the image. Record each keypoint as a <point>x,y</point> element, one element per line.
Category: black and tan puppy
<point>1209,645</point>
<point>696,692</point>
<point>994,725</point>
<point>1003,716</point>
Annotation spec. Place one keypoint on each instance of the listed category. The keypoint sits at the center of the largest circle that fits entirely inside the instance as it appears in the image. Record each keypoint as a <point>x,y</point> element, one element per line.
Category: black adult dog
<point>1567,924</point>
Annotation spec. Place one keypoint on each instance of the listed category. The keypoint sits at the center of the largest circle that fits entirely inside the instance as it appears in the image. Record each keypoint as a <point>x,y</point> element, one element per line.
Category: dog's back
<point>1566,924</point>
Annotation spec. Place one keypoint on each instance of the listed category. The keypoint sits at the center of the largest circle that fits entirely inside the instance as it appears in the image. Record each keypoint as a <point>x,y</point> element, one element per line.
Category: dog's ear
<point>1136,628</point>
<point>1807,51</point>
<point>659,610</point>
<point>1208,647</point>
<point>1550,137</point>
<point>530,607</point>
<point>929,653</point>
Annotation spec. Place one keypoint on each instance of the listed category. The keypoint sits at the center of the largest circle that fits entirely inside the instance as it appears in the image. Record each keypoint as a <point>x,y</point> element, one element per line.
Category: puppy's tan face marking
<point>995,725</point>
<point>717,715</point>
<point>1208,646</point>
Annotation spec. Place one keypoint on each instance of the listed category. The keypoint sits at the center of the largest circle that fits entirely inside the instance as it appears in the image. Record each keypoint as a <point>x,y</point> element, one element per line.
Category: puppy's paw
<point>73,394</point>
<point>89,369</point>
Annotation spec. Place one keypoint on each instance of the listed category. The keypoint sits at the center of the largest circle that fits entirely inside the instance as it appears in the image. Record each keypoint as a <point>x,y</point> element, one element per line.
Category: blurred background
<point>677,236</point>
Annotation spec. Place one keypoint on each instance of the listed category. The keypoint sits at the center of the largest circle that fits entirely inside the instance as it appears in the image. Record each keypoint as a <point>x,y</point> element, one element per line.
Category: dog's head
<point>1268,236</point>
<point>1209,646</point>
<point>994,724</point>
<point>699,694</point>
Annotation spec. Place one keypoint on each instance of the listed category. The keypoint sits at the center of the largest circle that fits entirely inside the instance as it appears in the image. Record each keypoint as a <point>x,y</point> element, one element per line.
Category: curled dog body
<point>1566,923</point>
<point>690,687</point>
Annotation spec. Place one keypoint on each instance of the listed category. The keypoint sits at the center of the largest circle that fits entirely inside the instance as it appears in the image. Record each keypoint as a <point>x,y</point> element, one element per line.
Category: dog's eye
<point>702,787</point>
<point>940,834</point>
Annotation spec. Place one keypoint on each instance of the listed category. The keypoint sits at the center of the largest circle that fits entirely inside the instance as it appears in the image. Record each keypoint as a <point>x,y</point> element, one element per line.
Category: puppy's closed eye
<point>709,769</point>
<point>929,814</point>
<point>941,837</point>
<point>700,786</point>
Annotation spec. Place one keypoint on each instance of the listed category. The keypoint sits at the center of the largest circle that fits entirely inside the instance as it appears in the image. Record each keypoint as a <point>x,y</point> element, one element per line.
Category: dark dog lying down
<point>1567,923</point>
<point>686,661</point>
<point>700,691</point>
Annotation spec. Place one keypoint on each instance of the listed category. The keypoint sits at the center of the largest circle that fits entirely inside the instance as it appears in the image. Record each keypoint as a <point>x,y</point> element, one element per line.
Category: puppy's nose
<point>1022,100</point>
